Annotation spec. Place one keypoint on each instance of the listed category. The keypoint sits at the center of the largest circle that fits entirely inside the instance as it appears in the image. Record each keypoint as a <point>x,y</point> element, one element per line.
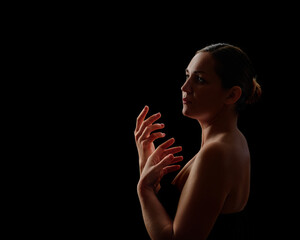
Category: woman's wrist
<point>144,188</point>
<point>142,163</point>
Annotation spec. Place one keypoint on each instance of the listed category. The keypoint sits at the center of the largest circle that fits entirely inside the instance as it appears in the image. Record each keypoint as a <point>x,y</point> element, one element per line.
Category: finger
<point>151,119</point>
<point>141,118</point>
<point>151,128</point>
<point>173,150</point>
<point>155,136</point>
<point>177,159</point>
<point>169,169</point>
<point>166,161</point>
<point>167,143</point>
<point>170,159</point>
<point>146,123</point>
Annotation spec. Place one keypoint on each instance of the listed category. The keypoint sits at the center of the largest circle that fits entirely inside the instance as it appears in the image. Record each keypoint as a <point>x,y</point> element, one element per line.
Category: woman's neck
<point>223,121</point>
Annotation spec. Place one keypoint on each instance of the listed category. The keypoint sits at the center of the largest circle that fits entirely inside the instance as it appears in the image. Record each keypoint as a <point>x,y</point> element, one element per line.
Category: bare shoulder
<point>228,144</point>
<point>214,153</point>
<point>223,155</point>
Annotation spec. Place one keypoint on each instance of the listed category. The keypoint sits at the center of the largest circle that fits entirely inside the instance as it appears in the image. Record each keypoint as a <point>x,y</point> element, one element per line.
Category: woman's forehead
<point>202,61</point>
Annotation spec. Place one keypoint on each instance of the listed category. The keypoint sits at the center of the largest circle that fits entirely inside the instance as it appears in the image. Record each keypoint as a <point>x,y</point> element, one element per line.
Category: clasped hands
<point>154,162</point>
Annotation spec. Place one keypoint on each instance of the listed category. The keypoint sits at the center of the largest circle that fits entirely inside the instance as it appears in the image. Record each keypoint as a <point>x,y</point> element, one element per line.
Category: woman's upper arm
<point>203,195</point>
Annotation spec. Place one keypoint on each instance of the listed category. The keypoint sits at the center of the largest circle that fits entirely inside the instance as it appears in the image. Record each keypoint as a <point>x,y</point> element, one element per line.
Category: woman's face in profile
<point>202,93</point>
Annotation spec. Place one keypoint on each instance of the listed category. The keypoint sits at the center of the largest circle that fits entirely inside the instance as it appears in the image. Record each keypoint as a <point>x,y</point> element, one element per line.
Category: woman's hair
<point>234,68</point>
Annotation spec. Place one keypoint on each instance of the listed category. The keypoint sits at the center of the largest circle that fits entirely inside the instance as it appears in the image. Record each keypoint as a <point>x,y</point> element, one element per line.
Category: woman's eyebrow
<point>198,71</point>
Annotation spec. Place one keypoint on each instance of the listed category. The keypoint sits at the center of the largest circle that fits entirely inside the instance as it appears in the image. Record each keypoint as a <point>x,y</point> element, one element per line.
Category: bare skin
<point>216,180</point>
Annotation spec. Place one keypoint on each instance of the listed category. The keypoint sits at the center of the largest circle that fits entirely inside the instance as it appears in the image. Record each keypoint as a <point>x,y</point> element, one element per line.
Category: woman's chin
<point>186,112</point>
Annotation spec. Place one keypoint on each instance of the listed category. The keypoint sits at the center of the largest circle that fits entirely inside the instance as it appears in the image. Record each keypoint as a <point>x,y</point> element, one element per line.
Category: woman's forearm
<point>161,162</point>
<point>157,221</point>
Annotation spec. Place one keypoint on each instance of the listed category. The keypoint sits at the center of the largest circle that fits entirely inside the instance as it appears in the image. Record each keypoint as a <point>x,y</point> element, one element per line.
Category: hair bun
<point>256,92</point>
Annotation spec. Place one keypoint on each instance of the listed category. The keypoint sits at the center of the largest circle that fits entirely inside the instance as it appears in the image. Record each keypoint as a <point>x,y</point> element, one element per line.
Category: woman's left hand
<point>159,164</point>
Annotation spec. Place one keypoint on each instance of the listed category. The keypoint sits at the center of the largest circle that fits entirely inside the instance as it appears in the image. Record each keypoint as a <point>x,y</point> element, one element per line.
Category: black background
<point>98,68</point>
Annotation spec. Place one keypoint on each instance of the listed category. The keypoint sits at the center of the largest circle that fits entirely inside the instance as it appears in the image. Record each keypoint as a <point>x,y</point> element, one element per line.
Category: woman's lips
<point>186,101</point>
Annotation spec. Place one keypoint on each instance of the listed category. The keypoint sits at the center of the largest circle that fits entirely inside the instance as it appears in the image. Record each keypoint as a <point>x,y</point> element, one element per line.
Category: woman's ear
<point>234,95</point>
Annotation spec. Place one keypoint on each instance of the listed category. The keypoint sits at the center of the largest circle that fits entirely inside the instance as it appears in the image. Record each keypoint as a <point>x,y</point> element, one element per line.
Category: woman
<point>213,187</point>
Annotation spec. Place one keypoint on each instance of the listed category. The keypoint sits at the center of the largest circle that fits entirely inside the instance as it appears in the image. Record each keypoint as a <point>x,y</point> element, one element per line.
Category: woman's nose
<point>186,87</point>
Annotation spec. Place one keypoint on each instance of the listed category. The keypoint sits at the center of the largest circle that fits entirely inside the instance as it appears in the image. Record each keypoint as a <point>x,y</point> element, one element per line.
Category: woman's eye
<point>200,79</point>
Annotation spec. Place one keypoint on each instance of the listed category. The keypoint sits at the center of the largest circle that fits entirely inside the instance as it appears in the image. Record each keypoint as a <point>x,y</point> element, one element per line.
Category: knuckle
<point>144,143</point>
<point>138,121</point>
<point>148,129</point>
<point>151,119</point>
<point>154,135</point>
<point>142,125</point>
<point>160,149</point>
<point>137,137</point>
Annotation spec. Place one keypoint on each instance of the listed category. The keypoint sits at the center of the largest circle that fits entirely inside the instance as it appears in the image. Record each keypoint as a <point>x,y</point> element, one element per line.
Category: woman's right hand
<point>144,137</point>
